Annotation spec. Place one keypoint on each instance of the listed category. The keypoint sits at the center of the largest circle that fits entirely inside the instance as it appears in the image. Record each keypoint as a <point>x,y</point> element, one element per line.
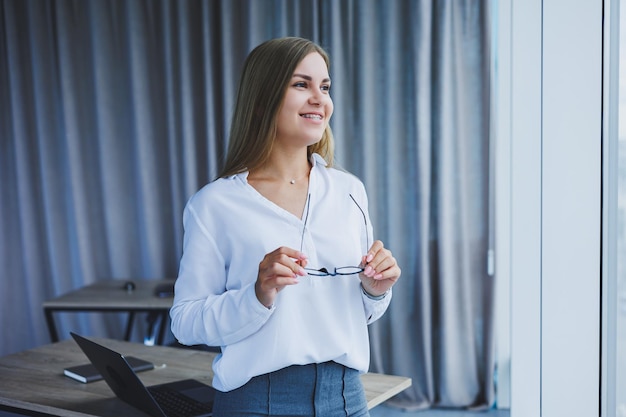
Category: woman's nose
<point>317,97</point>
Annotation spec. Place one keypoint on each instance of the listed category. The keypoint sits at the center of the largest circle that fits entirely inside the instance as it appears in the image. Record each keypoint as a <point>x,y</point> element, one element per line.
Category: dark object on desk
<point>88,373</point>
<point>129,286</point>
<point>164,290</point>
<point>186,397</point>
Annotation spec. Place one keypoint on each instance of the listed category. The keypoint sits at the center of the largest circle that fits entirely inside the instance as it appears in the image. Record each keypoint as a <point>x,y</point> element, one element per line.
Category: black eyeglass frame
<point>347,270</point>
<point>323,272</point>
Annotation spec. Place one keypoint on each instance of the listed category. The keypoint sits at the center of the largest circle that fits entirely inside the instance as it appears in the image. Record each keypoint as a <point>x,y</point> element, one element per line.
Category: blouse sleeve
<point>374,309</point>
<point>204,311</point>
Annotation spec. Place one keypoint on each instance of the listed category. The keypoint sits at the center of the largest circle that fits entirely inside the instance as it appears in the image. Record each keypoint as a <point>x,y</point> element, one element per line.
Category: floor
<point>386,411</point>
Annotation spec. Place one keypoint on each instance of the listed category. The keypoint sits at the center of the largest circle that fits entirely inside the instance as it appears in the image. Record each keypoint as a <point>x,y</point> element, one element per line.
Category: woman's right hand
<point>277,270</point>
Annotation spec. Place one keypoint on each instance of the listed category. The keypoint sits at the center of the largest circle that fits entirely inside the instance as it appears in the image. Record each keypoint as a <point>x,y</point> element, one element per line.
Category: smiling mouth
<point>312,116</point>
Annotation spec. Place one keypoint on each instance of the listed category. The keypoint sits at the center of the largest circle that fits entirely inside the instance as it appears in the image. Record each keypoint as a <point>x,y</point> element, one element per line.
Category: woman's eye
<point>325,88</point>
<point>300,84</point>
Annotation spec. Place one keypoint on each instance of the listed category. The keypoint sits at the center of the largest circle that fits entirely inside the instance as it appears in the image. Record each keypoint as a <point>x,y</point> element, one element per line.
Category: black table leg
<point>164,316</point>
<point>129,325</point>
<point>52,329</point>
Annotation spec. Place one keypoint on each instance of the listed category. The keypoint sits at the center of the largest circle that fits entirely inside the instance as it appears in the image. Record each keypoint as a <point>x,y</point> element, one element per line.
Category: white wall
<point>554,200</point>
<point>571,207</point>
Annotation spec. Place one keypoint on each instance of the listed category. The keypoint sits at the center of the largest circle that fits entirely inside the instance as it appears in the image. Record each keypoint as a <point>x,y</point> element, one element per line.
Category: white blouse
<point>229,227</point>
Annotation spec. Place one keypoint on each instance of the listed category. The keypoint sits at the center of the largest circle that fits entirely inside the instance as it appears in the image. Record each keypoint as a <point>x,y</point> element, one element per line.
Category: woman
<point>278,267</point>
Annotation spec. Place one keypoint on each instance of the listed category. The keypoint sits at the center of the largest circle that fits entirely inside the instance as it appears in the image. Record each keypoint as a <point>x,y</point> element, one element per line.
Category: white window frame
<point>610,167</point>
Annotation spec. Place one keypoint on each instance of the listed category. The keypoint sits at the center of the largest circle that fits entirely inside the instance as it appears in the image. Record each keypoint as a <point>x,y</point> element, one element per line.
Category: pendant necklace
<point>294,180</point>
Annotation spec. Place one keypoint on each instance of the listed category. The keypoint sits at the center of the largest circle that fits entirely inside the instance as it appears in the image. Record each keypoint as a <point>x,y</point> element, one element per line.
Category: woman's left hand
<point>381,270</point>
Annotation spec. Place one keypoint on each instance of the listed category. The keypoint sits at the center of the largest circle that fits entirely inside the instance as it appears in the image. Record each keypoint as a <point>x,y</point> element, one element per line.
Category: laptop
<point>183,398</point>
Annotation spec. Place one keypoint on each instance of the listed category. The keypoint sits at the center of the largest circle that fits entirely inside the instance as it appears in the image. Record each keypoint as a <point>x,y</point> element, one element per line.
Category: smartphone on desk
<point>88,373</point>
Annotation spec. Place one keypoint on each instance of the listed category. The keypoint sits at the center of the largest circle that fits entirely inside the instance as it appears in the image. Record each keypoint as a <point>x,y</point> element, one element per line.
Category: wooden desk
<point>33,380</point>
<point>110,296</point>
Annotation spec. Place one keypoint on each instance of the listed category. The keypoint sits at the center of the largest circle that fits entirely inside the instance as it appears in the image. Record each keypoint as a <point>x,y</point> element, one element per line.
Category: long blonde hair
<point>266,74</point>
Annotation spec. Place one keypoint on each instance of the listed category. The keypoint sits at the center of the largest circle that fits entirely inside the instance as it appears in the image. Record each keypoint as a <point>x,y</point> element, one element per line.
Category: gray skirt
<point>325,389</point>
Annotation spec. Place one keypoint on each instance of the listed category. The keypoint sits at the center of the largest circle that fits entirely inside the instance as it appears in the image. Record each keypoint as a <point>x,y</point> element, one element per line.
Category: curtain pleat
<point>113,113</point>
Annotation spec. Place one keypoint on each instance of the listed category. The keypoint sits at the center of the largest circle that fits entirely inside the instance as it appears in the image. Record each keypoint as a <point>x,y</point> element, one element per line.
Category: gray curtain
<point>112,113</point>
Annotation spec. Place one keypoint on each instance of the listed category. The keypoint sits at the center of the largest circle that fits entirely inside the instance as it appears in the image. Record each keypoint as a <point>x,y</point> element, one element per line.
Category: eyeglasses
<point>342,270</point>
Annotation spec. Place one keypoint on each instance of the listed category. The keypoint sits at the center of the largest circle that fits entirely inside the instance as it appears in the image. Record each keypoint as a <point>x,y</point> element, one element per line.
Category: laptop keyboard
<point>175,404</point>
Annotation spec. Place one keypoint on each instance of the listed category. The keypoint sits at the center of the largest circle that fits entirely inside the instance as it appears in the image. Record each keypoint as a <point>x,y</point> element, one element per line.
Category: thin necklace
<point>291,181</point>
